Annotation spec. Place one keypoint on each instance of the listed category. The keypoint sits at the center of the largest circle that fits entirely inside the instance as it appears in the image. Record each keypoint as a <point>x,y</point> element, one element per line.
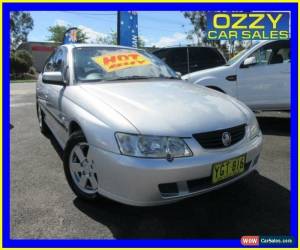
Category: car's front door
<point>266,84</point>
<point>55,96</point>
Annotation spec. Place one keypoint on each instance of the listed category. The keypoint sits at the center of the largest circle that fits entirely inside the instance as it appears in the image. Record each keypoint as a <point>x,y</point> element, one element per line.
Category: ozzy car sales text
<point>248,26</point>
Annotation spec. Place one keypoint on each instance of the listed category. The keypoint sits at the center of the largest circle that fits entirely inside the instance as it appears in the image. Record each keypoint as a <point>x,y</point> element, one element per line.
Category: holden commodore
<point>133,131</point>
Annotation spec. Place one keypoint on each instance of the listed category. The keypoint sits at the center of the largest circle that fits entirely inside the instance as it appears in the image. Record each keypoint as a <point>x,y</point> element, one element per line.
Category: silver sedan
<point>134,132</point>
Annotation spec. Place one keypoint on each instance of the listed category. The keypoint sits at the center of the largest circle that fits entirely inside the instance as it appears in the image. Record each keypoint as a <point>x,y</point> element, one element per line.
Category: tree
<point>20,61</point>
<point>57,34</point>
<point>198,20</point>
<point>141,43</point>
<point>112,39</point>
<point>21,23</point>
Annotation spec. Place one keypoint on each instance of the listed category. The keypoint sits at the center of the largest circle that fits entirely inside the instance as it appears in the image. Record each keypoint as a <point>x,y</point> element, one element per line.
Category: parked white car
<point>258,76</point>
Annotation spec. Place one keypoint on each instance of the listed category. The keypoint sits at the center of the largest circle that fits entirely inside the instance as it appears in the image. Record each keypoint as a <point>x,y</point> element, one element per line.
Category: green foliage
<point>57,34</point>
<point>141,43</point>
<point>21,23</point>
<point>198,20</point>
<point>20,62</point>
<point>24,55</point>
<point>110,39</point>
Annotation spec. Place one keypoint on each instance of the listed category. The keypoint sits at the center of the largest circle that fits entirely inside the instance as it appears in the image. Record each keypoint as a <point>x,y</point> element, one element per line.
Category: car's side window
<point>49,64</point>
<point>58,61</point>
<point>273,53</point>
<point>64,65</point>
<point>179,55</point>
<point>178,60</point>
<point>162,54</point>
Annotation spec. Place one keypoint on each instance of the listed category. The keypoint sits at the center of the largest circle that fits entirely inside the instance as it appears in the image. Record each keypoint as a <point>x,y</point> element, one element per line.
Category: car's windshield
<point>112,63</point>
<point>236,57</point>
<point>239,55</point>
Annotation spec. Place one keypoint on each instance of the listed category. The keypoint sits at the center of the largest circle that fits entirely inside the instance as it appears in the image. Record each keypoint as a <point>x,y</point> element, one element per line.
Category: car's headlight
<point>254,129</point>
<point>152,146</point>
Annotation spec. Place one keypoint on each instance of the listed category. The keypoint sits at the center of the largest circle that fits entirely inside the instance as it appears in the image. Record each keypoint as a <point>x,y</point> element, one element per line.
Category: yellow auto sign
<point>118,61</point>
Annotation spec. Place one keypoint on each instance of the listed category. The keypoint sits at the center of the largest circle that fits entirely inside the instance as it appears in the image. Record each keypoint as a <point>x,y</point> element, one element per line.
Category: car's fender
<point>99,127</point>
<point>215,78</point>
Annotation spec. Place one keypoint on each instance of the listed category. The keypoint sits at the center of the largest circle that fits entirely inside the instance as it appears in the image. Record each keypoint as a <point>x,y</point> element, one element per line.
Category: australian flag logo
<point>70,36</point>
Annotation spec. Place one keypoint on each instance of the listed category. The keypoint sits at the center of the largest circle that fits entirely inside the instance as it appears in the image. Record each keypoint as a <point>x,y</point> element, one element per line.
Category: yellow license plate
<point>227,169</point>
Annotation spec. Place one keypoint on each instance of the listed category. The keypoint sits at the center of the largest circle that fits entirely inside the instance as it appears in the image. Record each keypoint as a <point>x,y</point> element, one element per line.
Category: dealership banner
<point>128,28</point>
<point>248,25</point>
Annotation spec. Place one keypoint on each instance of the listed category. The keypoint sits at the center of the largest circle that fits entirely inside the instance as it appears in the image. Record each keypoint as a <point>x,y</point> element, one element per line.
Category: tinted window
<point>177,59</point>
<point>204,58</point>
<point>162,54</point>
<point>178,55</point>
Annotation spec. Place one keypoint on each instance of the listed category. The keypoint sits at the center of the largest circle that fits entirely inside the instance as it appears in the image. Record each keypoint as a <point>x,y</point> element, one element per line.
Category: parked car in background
<point>258,76</point>
<point>190,59</point>
<point>111,109</point>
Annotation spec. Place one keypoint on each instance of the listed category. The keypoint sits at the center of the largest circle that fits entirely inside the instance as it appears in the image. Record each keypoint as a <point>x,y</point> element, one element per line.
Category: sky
<point>156,28</point>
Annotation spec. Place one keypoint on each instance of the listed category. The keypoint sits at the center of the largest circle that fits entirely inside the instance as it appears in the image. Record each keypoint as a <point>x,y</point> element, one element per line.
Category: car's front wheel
<point>79,168</point>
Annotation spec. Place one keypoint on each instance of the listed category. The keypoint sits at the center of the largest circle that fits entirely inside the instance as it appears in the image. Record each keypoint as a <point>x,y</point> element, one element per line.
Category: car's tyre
<point>79,168</point>
<point>41,119</point>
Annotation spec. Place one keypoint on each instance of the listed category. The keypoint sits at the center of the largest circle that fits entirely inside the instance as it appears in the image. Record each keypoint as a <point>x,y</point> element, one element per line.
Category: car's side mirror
<point>249,61</point>
<point>55,77</point>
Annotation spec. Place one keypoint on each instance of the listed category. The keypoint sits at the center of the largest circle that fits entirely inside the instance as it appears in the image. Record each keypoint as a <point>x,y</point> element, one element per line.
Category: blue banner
<point>70,36</point>
<point>128,28</point>
<point>248,25</point>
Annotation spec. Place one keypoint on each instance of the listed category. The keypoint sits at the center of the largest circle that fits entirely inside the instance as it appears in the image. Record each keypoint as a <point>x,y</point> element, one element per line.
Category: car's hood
<point>169,107</point>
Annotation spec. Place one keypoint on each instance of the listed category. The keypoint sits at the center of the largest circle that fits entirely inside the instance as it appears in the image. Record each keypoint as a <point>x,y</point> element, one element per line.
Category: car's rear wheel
<point>41,119</point>
<point>79,168</point>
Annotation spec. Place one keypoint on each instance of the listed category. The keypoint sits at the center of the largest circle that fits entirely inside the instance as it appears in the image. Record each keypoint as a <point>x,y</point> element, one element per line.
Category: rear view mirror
<point>249,61</point>
<point>55,77</point>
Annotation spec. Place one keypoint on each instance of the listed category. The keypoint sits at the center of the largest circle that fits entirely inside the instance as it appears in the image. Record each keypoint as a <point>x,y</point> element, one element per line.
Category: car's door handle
<point>231,78</point>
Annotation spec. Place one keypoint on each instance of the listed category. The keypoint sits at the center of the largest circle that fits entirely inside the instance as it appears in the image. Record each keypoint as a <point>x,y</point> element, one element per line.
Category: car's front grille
<point>213,139</point>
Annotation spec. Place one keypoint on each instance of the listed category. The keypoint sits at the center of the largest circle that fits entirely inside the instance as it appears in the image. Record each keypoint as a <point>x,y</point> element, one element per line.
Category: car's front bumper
<point>141,181</point>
